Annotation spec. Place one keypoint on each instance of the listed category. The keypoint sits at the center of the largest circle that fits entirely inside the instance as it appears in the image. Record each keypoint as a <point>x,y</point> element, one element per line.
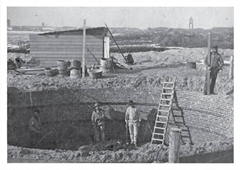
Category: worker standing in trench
<point>132,120</point>
<point>35,128</point>
<point>215,65</point>
<point>98,121</point>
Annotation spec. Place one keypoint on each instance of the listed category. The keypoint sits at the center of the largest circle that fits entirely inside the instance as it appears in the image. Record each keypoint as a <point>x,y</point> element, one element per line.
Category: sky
<point>137,17</point>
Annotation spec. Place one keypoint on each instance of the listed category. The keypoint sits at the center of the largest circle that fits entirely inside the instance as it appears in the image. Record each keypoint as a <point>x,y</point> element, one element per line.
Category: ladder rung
<point>165,105</point>
<point>163,110</point>
<point>160,121</point>
<point>185,136</point>
<point>176,109</point>
<point>166,99</point>
<point>167,93</point>
<point>159,134</point>
<point>157,139</point>
<point>159,128</point>
<point>168,88</point>
<point>166,117</point>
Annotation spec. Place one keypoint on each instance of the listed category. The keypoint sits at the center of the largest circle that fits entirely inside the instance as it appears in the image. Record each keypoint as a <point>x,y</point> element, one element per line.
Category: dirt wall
<point>66,114</point>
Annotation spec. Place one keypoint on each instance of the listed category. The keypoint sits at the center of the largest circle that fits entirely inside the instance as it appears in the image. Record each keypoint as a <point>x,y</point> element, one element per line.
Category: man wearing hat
<point>132,119</point>
<point>98,121</point>
<point>216,63</point>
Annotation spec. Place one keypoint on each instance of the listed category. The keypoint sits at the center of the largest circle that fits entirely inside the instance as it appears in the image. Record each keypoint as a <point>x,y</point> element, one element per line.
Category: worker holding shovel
<point>132,120</point>
<point>98,121</point>
<point>35,128</point>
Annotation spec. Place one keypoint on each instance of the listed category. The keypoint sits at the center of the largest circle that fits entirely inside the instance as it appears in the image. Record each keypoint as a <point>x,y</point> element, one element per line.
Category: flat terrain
<point>148,72</point>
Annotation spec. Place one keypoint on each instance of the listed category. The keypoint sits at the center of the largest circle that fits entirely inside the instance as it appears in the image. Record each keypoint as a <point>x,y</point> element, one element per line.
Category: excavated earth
<point>66,106</point>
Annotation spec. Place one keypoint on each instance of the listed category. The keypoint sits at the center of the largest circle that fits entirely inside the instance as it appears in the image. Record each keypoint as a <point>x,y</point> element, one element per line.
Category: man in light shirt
<point>132,120</point>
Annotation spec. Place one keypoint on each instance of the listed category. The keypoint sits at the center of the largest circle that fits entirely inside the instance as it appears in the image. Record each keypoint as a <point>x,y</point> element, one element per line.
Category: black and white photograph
<point>119,84</point>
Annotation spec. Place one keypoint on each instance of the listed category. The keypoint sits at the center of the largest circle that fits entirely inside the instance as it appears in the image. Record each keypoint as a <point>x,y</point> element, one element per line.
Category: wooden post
<point>231,68</point>
<point>83,55</point>
<point>209,61</point>
<point>174,145</point>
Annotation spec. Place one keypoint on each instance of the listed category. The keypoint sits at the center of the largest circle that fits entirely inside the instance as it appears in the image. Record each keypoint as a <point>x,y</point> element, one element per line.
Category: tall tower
<point>43,24</point>
<point>191,23</point>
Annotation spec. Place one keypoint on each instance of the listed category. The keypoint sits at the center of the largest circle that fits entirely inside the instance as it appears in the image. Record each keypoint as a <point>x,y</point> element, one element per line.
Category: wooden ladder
<point>164,108</point>
<point>169,104</point>
<point>179,121</point>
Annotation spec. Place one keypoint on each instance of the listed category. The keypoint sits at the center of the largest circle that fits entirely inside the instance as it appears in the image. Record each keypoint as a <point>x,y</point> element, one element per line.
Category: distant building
<point>43,25</point>
<point>191,23</point>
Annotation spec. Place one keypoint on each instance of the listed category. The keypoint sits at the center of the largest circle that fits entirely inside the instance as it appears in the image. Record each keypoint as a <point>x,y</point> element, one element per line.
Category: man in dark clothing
<point>98,121</point>
<point>216,63</point>
<point>129,59</point>
<point>35,128</point>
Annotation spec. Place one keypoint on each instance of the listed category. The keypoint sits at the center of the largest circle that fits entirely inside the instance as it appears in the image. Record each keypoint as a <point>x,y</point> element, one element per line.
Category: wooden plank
<point>68,43</point>
<point>46,63</point>
<point>174,145</point>
<point>30,69</point>
<point>95,49</point>
<point>58,55</point>
<point>66,58</point>
<point>63,37</point>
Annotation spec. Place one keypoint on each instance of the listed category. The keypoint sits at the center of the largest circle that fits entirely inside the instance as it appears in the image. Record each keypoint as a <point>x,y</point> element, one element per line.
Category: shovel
<point>44,136</point>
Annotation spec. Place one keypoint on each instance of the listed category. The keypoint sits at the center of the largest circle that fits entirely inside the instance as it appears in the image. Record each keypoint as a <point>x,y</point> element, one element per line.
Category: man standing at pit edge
<point>98,121</point>
<point>216,63</point>
<point>132,120</point>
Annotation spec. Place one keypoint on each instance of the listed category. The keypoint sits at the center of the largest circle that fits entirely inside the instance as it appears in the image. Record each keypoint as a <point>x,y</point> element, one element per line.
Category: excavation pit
<point>66,113</point>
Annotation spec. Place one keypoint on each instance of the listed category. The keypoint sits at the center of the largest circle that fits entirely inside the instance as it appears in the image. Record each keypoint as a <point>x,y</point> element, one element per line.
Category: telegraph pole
<point>83,54</point>
<point>209,61</point>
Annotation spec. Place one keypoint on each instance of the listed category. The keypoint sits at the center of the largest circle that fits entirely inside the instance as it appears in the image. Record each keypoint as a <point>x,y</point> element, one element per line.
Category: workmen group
<point>98,119</point>
<point>132,117</point>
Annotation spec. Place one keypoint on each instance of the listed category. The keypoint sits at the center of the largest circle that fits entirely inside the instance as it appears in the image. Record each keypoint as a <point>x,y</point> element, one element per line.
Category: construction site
<point>64,73</point>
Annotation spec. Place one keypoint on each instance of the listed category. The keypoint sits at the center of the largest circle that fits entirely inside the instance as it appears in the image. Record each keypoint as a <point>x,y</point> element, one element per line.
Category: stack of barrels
<point>75,69</point>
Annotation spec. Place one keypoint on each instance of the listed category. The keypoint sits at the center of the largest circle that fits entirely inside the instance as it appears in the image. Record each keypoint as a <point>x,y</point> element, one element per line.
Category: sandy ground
<point>150,69</point>
<point>115,152</point>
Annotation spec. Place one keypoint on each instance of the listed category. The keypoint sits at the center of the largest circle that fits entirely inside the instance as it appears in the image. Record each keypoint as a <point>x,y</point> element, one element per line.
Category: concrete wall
<point>66,113</point>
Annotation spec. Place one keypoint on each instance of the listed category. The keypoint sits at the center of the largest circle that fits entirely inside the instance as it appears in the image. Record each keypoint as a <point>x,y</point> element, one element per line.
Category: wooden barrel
<point>74,73</point>
<point>191,65</point>
<point>105,64</point>
<point>95,73</point>
<point>51,72</point>
<point>76,64</point>
<point>63,67</point>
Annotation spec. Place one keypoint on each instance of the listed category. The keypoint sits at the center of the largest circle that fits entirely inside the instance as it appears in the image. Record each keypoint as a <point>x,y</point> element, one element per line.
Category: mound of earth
<point>116,152</point>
